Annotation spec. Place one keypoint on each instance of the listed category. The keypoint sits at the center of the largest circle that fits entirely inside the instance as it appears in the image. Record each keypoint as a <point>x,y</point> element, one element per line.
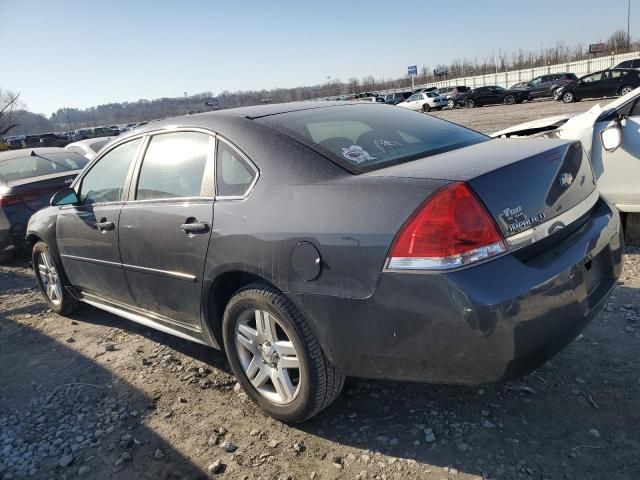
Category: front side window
<point>174,166</point>
<point>413,98</point>
<point>234,174</point>
<point>596,77</point>
<point>105,181</point>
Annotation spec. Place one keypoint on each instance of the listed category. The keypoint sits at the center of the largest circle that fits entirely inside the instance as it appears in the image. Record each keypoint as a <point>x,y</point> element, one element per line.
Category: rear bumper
<point>483,324</point>
<point>6,236</point>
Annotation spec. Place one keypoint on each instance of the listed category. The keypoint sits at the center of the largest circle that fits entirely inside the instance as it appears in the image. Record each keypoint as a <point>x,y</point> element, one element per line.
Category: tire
<point>260,325</point>
<point>509,100</point>
<point>51,280</point>
<point>470,103</point>
<point>568,97</point>
<point>6,256</point>
<point>426,108</point>
<point>624,90</point>
<point>451,103</point>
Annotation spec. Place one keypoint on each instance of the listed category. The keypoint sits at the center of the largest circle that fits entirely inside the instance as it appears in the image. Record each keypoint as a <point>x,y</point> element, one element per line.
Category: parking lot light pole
<point>186,101</point>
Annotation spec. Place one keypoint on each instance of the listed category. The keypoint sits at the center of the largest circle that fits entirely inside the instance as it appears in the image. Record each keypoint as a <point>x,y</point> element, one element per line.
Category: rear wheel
<point>451,103</point>
<point>470,103</point>
<point>49,277</point>
<point>426,108</point>
<point>568,97</point>
<point>626,89</point>
<point>509,100</point>
<point>275,356</point>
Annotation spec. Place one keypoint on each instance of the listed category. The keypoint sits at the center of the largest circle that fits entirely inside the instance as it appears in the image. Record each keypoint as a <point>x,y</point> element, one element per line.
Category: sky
<point>84,53</point>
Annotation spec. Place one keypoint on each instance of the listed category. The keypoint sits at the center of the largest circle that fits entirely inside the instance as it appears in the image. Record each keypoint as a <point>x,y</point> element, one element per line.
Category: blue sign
<point>413,70</point>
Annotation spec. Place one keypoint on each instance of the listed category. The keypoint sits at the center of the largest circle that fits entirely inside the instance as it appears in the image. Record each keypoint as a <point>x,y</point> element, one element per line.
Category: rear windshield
<point>367,137</point>
<point>34,166</point>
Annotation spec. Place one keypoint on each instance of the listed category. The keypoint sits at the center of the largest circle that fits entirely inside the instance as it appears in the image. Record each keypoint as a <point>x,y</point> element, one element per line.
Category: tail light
<point>451,229</point>
<point>8,199</point>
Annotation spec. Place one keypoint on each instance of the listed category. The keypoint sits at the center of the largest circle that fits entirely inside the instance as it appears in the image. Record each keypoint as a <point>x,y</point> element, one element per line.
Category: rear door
<point>87,233</point>
<point>166,224</point>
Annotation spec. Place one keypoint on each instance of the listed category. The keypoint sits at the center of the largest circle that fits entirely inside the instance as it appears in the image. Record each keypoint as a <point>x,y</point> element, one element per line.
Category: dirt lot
<point>96,396</point>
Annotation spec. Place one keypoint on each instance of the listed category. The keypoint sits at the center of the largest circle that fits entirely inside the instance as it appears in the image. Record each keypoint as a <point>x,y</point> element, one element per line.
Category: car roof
<point>89,141</point>
<point>24,152</point>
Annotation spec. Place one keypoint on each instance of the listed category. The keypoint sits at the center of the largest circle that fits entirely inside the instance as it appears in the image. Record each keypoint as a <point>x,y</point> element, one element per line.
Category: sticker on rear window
<point>357,154</point>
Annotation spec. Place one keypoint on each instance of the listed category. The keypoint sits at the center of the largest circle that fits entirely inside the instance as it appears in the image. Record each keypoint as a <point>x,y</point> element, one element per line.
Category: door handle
<point>191,228</point>
<point>104,225</point>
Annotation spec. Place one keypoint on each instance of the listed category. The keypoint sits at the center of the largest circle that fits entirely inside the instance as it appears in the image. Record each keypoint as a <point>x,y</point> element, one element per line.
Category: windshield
<point>28,166</point>
<point>367,137</point>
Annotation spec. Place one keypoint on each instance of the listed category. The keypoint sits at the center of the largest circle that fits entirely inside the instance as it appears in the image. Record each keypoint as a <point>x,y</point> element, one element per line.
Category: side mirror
<point>611,137</point>
<point>66,196</point>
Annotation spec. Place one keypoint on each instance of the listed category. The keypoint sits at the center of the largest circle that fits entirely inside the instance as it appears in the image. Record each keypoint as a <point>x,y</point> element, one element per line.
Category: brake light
<point>451,229</point>
<point>8,199</point>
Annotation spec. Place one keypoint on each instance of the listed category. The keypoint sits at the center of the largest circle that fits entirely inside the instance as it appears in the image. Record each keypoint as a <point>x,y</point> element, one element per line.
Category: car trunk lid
<point>522,182</point>
<point>35,193</point>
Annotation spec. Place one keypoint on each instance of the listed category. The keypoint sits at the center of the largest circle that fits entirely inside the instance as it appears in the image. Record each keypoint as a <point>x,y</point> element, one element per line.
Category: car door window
<point>174,166</point>
<point>535,82</point>
<point>413,98</point>
<point>596,77</point>
<point>235,175</point>
<point>105,181</point>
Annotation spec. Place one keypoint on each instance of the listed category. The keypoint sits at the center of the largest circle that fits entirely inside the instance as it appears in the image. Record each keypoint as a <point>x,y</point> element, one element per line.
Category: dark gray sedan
<point>313,241</point>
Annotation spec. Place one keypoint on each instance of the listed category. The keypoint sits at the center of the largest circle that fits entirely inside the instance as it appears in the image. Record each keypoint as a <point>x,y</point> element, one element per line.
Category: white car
<point>424,102</point>
<point>610,136</point>
<point>89,147</point>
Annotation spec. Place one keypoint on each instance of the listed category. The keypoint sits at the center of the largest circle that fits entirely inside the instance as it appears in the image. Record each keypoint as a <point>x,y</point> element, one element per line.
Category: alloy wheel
<point>625,90</point>
<point>268,356</point>
<point>567,97</point>
<point>49,277</point>
<point>451,103</point>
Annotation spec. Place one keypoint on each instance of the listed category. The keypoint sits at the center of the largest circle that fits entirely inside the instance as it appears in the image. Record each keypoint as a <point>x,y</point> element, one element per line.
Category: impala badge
<point>566,179</point>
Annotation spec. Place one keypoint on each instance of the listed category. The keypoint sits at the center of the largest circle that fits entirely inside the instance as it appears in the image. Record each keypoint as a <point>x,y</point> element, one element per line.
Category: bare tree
<point>9,104</point>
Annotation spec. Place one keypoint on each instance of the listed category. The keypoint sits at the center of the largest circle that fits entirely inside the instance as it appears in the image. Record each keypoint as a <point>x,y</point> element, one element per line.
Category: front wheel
<point>426,108</point>
<point>509,100</point>
<point>470,103</point>
<point>275,356</point>
<point>49,277</point>
<point>451,103</point>
<point>626,89</point>
<point>568,97</point>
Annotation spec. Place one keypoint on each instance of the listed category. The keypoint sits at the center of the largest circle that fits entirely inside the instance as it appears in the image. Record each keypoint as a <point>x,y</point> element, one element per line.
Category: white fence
<point>506,79</point>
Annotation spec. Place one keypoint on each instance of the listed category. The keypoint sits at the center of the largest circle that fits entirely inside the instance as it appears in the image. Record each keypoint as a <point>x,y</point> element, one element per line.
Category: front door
<point>166,224</point>
<point>87,233</point>
<point>591,86</point>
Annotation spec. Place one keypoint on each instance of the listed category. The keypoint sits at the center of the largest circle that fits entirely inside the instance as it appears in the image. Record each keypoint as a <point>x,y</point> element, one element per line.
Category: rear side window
<point>362,137</point>
<point>174,166</point>
<point>234,174</point>
<point>105,180</point>
<point>29,166</point>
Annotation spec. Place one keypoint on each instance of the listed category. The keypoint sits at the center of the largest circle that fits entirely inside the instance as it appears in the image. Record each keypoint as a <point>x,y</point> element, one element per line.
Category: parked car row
<point>63,138</point>
<point>562,86</point>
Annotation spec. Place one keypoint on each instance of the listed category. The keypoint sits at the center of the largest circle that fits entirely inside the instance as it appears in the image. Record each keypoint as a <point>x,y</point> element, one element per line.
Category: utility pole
<point>329,80</point>
<point>628,21</point>
<point>186,101</point>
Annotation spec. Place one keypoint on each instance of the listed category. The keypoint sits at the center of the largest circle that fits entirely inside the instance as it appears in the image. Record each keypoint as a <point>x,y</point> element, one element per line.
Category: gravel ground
<point>96,396</point>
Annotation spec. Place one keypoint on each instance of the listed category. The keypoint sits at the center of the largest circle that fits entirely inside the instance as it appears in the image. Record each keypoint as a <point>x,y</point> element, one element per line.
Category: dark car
<point>53,140</point>
<point>453,93</point>
<point>396,98</point>
<point>317,240</point>
<point>490,95</point>
<point>28,179</point>
<point>606,83</point>
<point>545,85</point>
<point>633,63</point>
